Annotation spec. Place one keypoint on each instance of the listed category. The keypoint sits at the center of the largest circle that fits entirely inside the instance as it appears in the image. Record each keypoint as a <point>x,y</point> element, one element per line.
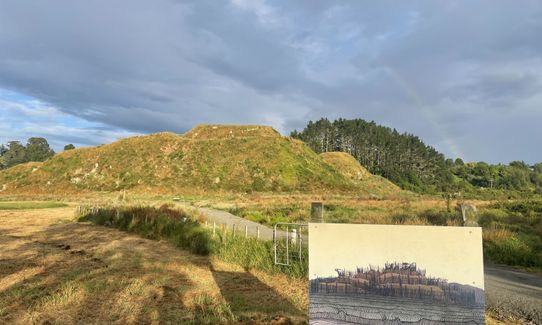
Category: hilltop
<point>220,131</point>
<point>206,158</point>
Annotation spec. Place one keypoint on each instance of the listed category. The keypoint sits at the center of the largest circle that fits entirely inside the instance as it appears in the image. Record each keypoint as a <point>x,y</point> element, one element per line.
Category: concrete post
<point>317,212</point>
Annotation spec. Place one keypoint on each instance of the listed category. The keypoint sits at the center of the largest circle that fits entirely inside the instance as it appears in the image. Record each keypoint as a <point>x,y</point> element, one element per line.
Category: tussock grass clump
<point>251,253</point>
<point>175,226</point>
<point>209,311</point>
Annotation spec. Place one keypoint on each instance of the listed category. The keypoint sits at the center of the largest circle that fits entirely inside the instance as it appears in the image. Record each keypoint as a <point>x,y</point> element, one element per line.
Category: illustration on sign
<point>373,274</point>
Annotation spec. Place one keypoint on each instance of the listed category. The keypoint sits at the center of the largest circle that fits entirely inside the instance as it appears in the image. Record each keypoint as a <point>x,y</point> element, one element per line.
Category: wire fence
<point>290,243</point>
<point>290,240</point>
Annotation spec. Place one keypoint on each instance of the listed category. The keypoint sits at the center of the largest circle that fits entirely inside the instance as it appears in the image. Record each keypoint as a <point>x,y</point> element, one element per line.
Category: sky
<point>465,76</point>
<point>451,253</point>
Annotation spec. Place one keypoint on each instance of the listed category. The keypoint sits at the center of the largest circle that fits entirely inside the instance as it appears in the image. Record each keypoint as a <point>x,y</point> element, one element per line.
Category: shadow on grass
<point>254,301</point>
<point>58,276</point>
<point>81,273</point>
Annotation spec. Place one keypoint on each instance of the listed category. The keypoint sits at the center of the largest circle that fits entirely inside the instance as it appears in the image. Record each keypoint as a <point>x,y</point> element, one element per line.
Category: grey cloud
<point>498,89</point>
<point>420,66</point>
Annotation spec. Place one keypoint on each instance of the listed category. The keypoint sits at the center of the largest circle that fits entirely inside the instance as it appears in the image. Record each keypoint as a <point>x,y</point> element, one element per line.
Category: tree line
<point>36,149</point>
<point>407,161</point>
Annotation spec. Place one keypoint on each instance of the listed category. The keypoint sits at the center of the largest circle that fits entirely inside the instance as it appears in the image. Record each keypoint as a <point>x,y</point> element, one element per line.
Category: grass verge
<point>184,230</point>
<point>175,226</point>
<point>513,233</point>
<point>512,230</point>
<point>26,205</point>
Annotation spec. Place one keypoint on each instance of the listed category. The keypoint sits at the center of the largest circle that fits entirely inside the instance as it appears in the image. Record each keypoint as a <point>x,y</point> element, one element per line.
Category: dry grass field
<point>56,271</point>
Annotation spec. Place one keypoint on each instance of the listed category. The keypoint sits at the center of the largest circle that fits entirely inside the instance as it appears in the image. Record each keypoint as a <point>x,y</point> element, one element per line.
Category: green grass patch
<point>272,215</point>
<point>175,226</point>
<point>184,230</point>
<point>512,229</point>
<point>252,253</point>
<point>513,232</point>
<point>27,205</point>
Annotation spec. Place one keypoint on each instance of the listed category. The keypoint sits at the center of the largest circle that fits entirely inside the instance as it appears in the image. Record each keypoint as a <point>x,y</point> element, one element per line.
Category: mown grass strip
<point>27,205</point>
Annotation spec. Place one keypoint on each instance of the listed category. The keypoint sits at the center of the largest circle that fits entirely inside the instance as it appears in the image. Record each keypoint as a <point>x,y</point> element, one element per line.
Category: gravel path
<point>513,293</point>
<point>223,217</point>
<point>229,220</point>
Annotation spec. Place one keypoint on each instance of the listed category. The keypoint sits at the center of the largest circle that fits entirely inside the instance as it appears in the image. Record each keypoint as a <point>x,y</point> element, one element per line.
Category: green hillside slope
<point>350,168</point>
<point>207,158</point>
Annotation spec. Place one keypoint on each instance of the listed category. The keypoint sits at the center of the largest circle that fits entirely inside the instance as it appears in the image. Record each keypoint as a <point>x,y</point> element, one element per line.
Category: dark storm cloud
<point>498,89</point>
<point>433,68</point>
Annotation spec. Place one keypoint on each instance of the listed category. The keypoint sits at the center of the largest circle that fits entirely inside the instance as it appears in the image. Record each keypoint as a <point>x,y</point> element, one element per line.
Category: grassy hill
<point>350,168</point>
<point>206,158</point>
<point>346,165</point>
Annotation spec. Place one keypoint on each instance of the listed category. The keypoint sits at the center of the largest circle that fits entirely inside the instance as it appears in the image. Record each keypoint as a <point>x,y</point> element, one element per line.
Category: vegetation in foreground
<point>512,229</point>
<point>184,230</point>
<point>175,226</point>
<point>109,276</point>
<point>69,273</point>
<point>513,233</point>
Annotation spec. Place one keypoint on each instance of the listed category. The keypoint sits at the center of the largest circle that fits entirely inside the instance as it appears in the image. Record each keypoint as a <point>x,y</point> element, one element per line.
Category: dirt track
<point>513,293</point>
<point>223,218</point>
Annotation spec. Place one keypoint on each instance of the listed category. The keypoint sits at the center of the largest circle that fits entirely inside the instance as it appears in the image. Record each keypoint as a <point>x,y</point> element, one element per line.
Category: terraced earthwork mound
<point>208,158</point>
<point>220,131</point>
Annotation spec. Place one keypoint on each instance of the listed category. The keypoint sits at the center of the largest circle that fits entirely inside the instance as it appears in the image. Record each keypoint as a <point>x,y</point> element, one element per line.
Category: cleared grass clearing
<point>69,273</point>
<point>26,205</point>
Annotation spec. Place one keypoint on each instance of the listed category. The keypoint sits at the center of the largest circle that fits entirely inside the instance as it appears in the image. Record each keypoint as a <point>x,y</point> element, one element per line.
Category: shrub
<point>490,217</point>
<point>512,251</point>
<point>252,253</point>
<point>438,217</point>
<point>513,232</point>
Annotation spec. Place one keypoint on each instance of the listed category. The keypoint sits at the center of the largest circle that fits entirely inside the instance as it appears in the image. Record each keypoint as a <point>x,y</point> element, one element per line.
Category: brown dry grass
<point>368,211</point>
<point>55,271</point>
<point>497,235</point>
